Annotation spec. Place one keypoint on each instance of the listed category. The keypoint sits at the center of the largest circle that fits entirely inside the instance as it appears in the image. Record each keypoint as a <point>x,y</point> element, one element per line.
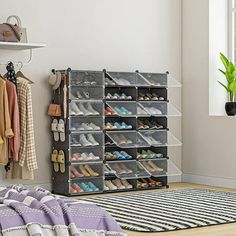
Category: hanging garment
<point>11,75</point>
<point>27,154</point>
<point>5,123</point>
<point>14,143</point>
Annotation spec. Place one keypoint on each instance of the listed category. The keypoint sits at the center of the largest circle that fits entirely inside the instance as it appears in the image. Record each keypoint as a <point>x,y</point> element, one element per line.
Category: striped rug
<point>170,210</point>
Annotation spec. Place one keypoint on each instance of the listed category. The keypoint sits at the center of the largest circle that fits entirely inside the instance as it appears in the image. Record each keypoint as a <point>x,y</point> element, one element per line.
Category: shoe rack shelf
<point>117,135</point>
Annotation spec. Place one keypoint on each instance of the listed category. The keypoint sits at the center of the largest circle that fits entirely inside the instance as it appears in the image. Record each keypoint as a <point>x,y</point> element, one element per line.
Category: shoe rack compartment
<point>123,109</point>
<point>160,138</point>
<point>159,108</point>
<point>83,139</point>
<point>160,80</point>
<point>151,183</point>
<point>88,93</point>
<point>152,94</point>
<point>127,78</point>
<point>75,123</point>
<point>86,78</point>
<point>157,167</point>
<point>98,182</point>
<point>97,106</point>
<point>113,179</point>
<point>151,153</point>
<point>152,123</point>
<point>128,139</point>
<point>118,154</point>
<point>85,154</point>
<point>80,169</point>
<point>130,121</point>
<point>130,93</point>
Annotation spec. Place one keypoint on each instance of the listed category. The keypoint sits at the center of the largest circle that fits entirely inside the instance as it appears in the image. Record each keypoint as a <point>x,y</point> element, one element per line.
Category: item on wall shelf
<point>230,87</point>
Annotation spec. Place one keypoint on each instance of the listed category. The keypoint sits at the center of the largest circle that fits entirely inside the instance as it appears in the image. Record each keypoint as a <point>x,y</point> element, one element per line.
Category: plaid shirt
<point>27,151</point>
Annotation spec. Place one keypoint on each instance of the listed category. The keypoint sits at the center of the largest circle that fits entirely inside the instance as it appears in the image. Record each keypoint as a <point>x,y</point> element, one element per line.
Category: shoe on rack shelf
<point>75,142</point>
<point>79,96</point>
<point>75,110</point>
<point>126,184</point>
<point>109,81</point>
<point>124,167</point>
<point>84,142</point>
<point>118,169</point>
<point>93,186</point>
<point>141,111</point>
<point>86,126</point>
<point>110,185</point>
<point>92,110</point>
<point>91,171</point>
<point>86,94</point>
<point>76,157</point>
<point>126,155</point>
<point>85,187</point>
<point>75,172</point>
<point>92,140</point>
<point>77,188</point>
<point>155,167</point>
<point>94,127</point>
<point>118,184</point>
<point>84,110</point>
<point>84,171</point>
<point>72,190</point>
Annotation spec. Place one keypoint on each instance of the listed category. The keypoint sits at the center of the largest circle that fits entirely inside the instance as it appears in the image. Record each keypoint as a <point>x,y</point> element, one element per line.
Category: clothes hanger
<point>19,73</point>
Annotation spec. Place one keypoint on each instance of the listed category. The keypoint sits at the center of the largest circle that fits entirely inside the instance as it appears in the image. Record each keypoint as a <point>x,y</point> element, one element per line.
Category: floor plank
<point>218,230</point>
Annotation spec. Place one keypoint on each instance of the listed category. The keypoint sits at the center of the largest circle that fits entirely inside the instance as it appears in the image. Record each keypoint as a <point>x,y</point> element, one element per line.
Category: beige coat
<point>5,123</point>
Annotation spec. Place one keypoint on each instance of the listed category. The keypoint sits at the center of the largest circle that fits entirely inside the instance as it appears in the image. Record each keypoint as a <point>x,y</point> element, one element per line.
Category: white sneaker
<point>94,127</point>
<point>86,126</point>
<point>75,109</point>
<point>110,185</point>
<point>154,111</point>
<point>85,111</point>
<point>91,110</point>
<point>84,142</point>
<point>106,188</point>
<point>140,111</point>
<point>93,157</point>
<point>92,140</point>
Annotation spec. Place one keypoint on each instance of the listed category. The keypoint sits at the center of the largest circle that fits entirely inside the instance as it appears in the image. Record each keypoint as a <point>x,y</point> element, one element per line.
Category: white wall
<point>122,35</point>
<point>209,142</point>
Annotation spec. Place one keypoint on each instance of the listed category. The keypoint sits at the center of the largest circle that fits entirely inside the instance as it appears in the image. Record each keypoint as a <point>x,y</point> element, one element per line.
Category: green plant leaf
<point>224,60</point>
<point>223,86</point>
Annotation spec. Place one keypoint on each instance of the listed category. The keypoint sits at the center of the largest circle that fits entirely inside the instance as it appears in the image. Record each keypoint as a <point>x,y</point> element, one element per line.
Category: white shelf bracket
<point>23,63</point>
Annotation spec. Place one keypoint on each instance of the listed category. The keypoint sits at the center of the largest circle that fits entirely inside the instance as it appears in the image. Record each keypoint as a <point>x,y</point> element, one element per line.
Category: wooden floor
<point>219,230</point>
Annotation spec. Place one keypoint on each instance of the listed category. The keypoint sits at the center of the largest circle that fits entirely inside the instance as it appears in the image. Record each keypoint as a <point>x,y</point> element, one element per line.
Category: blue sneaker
<point>126,155</point>
<point>127,112</point>
<point>119,155</point>
<point>117,125</point>
<point>126,126</point>
<point>119,111</point>
<point>92,186</point>
<point>85,187</point>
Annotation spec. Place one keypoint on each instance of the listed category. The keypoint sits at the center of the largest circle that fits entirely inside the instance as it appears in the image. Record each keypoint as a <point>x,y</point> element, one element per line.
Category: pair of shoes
<point>81,109</point>
<point>150,166</point>
<point>109,112</point>
<point>153,111</point>
<point>149,182</point>
<point>121,169</point>
<point>149,155</point>
<point>122,155</point>
<point>109,81</point>
<point>87,171</point>
<point>109,143</point>
<point>85,126</point>
<point>83,187</point>
<point>122,111</point>
<point>117,96</point>
<point>117,125</point>
<point>117,184</point>
<point>150,96</point>
<point>122,140</point>
<point>78,95</point>
<point>84,157</point>
<point>84,141</point>
<point>146,124</point>
<point>74,173</point>
<point>141,111</point>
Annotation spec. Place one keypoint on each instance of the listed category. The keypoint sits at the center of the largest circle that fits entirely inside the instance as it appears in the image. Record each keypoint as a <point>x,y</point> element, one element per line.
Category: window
<point>232,29</point>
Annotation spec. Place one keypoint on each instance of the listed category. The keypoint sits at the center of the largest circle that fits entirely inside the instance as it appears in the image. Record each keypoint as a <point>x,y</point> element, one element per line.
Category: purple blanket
<point>38,211</point>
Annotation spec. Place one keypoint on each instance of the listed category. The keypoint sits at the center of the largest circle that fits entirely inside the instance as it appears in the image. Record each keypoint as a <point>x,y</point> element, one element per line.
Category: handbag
<point>54,110</point>
<point>10,32</point>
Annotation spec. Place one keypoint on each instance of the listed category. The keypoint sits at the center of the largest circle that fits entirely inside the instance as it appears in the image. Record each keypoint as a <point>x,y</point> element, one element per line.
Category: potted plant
<point>230,86</point>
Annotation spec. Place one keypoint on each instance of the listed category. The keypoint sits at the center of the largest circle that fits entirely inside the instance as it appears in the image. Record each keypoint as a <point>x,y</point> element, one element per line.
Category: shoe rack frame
<point>61,181</point>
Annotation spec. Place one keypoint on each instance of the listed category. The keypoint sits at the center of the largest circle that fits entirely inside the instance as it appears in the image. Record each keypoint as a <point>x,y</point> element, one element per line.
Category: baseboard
<point>175,178</point>
<point>212,181</point>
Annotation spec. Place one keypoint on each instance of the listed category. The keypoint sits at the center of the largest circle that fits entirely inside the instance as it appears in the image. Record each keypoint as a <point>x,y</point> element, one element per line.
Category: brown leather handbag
<point>10,32</point>
<point>54,110</point>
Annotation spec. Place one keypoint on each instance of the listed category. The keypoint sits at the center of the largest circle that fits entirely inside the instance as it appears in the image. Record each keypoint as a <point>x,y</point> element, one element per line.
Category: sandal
<point>61,130</point>
<point>61,161</point>
<point>54,129</point>
<point>91,171</point>
<point>54,160</point>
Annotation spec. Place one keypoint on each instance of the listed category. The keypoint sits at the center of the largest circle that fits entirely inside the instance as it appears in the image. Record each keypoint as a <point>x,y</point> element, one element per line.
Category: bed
<point>37,212</point>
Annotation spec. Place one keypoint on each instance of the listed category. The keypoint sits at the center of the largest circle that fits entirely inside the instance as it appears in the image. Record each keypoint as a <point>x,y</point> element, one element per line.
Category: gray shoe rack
<point>156,140</point>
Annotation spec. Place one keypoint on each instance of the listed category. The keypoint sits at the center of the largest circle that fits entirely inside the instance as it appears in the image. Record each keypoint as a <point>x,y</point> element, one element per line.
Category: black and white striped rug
<point>170,210</point>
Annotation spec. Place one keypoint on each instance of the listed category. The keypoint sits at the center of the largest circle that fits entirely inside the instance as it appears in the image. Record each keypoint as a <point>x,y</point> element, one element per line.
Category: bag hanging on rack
<point>54,110</point>
<point>12,33</point>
